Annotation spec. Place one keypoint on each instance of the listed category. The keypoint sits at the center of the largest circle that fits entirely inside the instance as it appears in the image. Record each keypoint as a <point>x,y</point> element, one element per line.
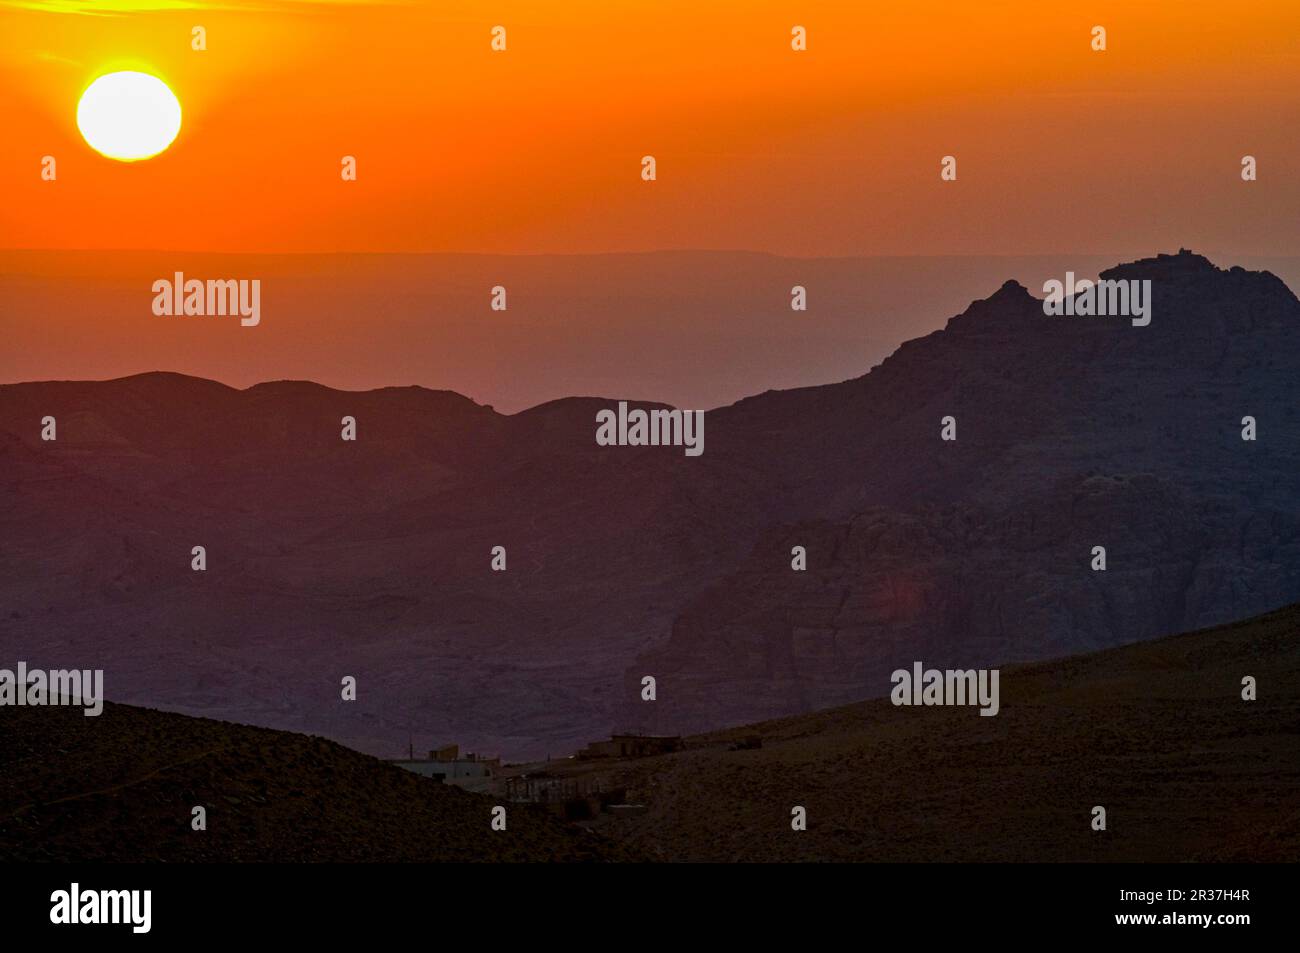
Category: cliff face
<point>957,587</point>
<point>1072,432</point>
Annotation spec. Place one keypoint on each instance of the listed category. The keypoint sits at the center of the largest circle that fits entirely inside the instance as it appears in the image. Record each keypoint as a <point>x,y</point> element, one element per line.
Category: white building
<point>473,773</point>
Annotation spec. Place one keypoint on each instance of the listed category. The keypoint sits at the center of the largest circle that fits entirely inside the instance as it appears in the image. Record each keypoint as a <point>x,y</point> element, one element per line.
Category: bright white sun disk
<point>128,115</point>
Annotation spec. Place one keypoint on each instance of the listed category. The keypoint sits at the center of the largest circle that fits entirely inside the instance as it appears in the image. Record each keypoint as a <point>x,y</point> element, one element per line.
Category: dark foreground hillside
<point>121,787</point>
<point>1156,732</point>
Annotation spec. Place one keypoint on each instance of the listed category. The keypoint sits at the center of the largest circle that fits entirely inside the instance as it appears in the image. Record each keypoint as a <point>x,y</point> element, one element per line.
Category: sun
<point>129,115</point>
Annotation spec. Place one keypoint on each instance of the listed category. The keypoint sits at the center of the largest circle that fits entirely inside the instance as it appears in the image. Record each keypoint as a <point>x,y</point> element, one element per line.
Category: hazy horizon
<point>692,328</point>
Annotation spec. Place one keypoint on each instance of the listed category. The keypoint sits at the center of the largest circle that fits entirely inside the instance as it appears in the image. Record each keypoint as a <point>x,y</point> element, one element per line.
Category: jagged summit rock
<point>1180,278</point>
<point>1185,264</point>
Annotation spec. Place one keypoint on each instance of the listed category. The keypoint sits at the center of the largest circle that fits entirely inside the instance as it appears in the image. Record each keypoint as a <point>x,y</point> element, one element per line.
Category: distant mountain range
<point>372,559</point>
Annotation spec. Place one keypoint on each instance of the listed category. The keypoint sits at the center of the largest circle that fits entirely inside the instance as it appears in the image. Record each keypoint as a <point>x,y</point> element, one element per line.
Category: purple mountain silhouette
<point>371,558</point>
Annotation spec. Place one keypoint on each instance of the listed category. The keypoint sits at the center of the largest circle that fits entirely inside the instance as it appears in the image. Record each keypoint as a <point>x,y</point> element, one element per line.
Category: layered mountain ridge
<point>372,558</point>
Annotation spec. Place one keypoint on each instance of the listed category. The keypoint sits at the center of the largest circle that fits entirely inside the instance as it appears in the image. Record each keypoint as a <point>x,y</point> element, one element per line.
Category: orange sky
<point>831,151</point>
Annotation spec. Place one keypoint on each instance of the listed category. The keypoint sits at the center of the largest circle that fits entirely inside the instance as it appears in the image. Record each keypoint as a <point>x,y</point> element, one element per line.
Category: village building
<point>471,772</point>
<point>631,746</point>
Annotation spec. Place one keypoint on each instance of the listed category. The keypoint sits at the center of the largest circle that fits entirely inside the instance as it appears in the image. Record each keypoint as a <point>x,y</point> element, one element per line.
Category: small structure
<point>631,746</point>
<point>472,772</point>
<point>574,799</point>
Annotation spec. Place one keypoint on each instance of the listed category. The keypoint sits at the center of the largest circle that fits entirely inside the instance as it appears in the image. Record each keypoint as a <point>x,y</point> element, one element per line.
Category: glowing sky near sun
<point>832,151</point>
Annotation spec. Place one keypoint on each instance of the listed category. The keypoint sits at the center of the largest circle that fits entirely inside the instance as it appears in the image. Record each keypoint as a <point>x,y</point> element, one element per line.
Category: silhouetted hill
<point>122,787</point>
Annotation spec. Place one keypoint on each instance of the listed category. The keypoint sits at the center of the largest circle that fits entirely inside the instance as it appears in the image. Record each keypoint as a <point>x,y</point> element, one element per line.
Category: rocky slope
<point>1156,732</point>
<point>1073,432</point>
